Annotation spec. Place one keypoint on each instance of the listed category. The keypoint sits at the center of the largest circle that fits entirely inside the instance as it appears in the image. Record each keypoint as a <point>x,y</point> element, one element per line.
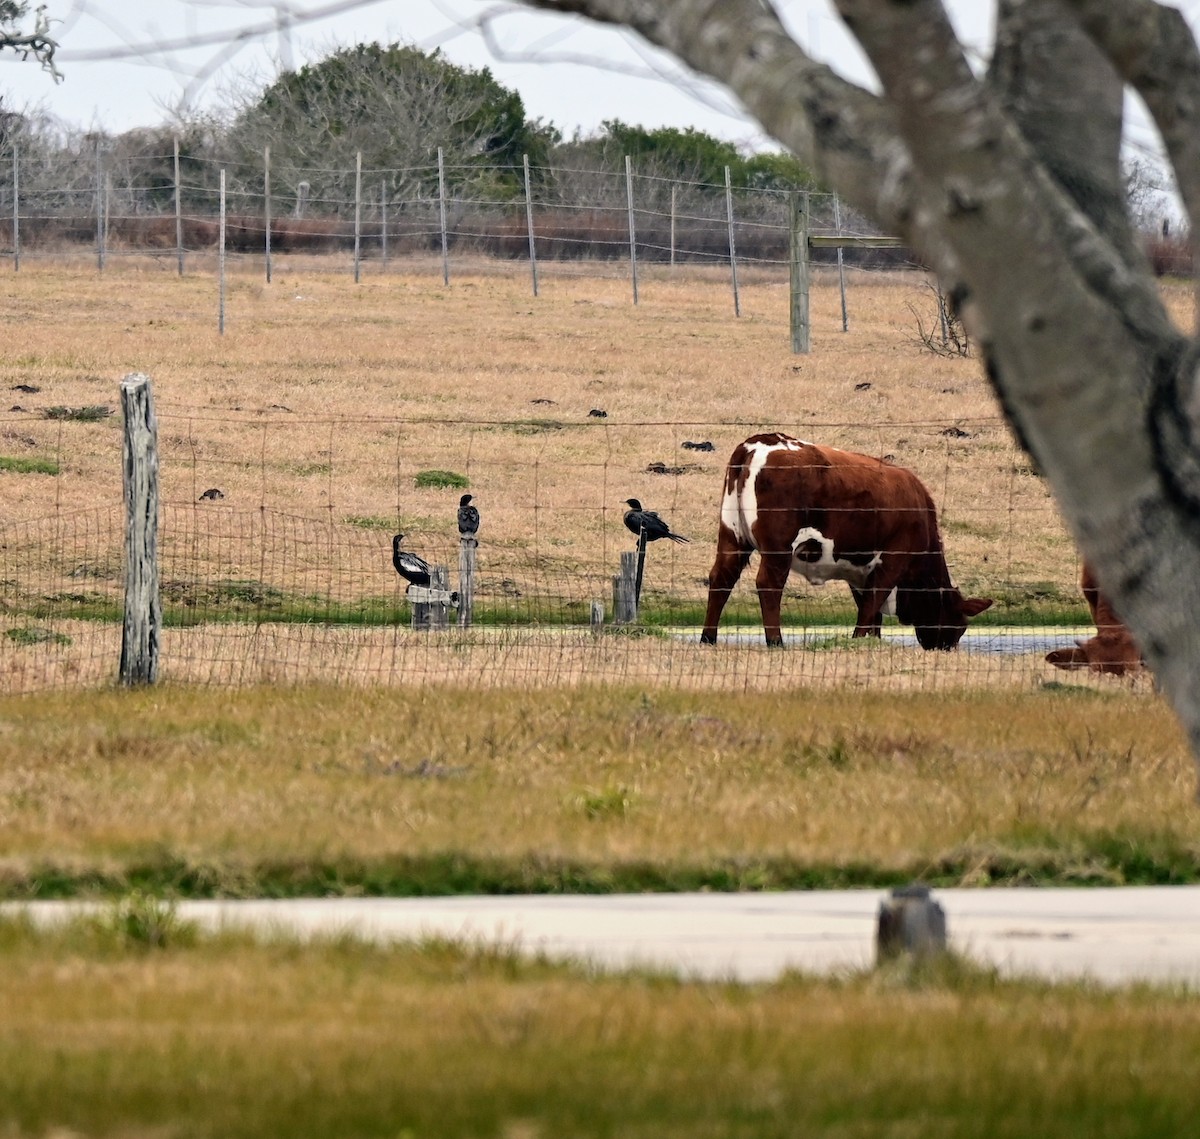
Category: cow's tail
<point>738,514</point>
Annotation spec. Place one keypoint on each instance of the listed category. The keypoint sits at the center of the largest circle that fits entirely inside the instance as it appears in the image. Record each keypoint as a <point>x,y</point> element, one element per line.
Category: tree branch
<point>39,44</point>
<point>1154,51</point>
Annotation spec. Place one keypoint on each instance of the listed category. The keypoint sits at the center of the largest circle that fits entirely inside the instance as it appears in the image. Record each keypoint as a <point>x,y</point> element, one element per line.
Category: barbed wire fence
<point>270,572</point>
<point>556,220</point>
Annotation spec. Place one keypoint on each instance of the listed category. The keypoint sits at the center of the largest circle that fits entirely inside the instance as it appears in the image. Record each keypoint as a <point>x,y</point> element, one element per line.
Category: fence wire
<point>278,568</point>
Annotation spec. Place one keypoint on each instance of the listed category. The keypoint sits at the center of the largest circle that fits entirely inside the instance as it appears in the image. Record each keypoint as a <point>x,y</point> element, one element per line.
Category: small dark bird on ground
<point>647,522</point>
<point>468,517</point>
<point>212,494</point>
<point>413,569</point>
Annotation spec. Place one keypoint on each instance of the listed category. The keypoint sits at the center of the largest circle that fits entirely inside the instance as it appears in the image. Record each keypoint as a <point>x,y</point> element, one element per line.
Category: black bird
<point>468,517</point>
<point>413,569</point>
<point>647,522</point>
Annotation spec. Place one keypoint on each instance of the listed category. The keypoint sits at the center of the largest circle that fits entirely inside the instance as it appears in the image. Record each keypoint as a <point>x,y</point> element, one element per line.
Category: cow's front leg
<point>727,568</point>
<point>773,572</point>
<point>875,628</point>
<point>873,598</point>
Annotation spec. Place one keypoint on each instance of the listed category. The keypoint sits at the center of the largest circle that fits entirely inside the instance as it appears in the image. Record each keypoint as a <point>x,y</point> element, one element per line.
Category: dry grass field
<point>316,410</point>
<point>736,768</point>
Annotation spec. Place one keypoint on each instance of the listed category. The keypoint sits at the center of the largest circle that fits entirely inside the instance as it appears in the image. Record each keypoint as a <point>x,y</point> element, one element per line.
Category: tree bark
<point>1010,185</point>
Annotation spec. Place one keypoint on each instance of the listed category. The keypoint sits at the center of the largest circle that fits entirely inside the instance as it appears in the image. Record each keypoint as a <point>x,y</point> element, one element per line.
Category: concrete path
<point>1114,936</point>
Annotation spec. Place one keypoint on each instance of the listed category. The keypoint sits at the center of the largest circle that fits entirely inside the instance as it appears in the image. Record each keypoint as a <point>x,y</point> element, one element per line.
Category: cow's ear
<point>973,606</point>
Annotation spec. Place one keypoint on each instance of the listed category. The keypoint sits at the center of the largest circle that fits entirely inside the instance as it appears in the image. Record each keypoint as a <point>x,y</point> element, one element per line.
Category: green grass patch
<point>89,414</point>
<point>438,478</point>
<point>370,522</point>
<point>28,466</point>
<point>28,635</point>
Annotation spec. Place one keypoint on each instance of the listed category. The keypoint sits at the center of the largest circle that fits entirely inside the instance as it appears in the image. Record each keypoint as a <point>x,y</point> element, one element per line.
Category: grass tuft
<point>437,478</point>
<point>89,414</point>
<point>28,635</point>
<point>28,466</point>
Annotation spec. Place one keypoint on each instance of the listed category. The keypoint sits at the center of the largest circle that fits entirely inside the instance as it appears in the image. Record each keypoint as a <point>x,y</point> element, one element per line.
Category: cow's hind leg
<point>773,570</point>
<point>727,568</point>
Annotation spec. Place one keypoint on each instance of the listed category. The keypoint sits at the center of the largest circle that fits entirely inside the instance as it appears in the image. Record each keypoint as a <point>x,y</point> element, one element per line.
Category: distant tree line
<point>398,107</point>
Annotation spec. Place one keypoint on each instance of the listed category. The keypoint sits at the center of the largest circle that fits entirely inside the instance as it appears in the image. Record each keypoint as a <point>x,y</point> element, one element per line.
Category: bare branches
<point>845,134</point>
<point>37,44</point>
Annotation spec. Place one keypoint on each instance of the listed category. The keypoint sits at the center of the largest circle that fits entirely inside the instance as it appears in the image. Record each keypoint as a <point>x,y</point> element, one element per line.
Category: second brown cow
<point>1112,650</point>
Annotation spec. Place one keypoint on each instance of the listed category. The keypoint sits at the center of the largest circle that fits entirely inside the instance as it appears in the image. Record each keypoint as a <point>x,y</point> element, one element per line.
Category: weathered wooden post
<point>442,217</point>
<point>798,261</point>
<point>911,922</point>
<point>431,604</point>
<point>143,606</point>
<point>737,303</point>
<point>16,209</point>
<point>641,566</point>
<point>625,590</point>
<point>632,226</point>
<point>267,210</point>
<point>529,226</point>
<point>178,212</point>
<point>597,616</point>
<point>467,545</point>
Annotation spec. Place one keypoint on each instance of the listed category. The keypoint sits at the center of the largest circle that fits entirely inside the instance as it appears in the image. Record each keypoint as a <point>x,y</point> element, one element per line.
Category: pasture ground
<point>324,401</point>
<point>193,791</point>
<point>134,1025</point>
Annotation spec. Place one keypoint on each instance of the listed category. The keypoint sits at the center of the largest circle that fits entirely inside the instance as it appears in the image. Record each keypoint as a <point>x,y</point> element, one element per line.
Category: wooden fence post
<point>632,226</point>
<point>442,216</point>
<point>431,604</point>
<point>737,303</point>
<point>143,606</point>
<point>383,224</point>
<point>625,590</point>
<point>597,616</point>
<point>267,211</point>
<point>466,580</point>
<point>357,217</point>
<point>221,259</point>
<point>641,566</point>
<point>178,213</point>
<point>16,209</point>
<point>799,271</point>
<point>529,226</point>
<point>101,210</point>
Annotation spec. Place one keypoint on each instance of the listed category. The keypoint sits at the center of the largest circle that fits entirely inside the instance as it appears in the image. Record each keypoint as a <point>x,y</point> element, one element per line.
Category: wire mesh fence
<point>107,204</point>
<point>276,540</point>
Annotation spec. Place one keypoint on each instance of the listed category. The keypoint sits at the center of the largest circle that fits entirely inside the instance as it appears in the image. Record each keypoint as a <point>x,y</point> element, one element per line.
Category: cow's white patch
<point>739,510</point>
<point>826,567</point>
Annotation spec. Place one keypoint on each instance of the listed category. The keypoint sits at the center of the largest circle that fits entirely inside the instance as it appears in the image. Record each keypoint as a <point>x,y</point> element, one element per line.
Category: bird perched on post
<point>647,522</point>
<point>468,517</point>
<point>415,570</point>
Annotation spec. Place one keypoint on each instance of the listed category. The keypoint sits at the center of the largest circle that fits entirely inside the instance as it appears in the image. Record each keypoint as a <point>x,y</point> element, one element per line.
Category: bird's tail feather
<point>678,538</point>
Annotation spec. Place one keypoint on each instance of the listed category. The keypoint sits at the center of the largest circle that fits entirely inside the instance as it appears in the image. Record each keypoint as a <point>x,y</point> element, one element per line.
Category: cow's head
<point>938,616</point>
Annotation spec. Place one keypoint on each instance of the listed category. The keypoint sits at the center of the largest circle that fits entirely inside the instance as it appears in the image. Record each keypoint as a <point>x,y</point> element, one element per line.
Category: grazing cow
<point>1112,650</point>
<point>830,515</point>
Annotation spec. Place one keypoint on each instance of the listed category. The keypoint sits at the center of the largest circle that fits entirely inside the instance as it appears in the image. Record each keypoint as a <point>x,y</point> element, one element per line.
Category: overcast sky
<point>122,68</point>
<point>131,63</point>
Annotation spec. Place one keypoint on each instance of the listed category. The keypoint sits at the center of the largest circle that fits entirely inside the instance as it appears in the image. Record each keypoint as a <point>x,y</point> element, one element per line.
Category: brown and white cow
<point>833,515</point>
<point>1112,650</point>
